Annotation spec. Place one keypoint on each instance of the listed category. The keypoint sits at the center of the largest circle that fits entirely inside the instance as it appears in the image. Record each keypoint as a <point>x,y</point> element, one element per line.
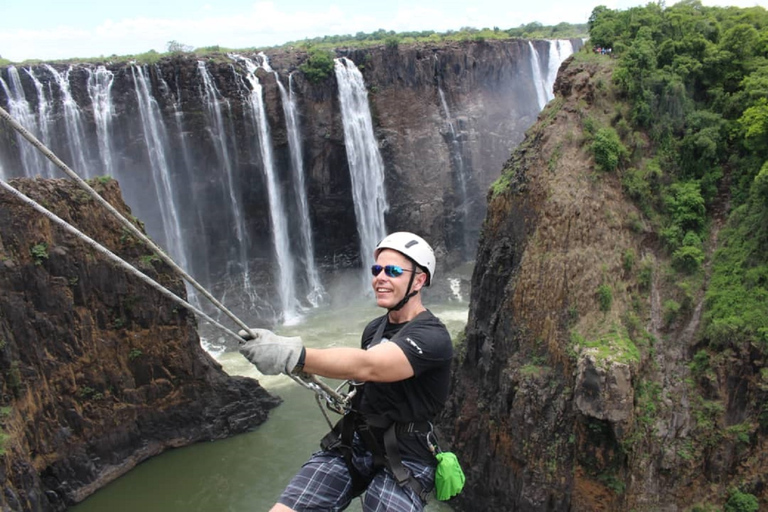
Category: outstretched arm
<point>386,362</point>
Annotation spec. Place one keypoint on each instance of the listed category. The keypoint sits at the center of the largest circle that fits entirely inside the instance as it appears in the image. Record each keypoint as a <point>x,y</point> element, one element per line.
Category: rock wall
<point>98,371</point>
<point>446,118</point>
<point>561,402</point>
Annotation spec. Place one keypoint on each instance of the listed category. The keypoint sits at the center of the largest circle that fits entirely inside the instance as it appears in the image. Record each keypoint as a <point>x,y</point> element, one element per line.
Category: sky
<point>56,29</point>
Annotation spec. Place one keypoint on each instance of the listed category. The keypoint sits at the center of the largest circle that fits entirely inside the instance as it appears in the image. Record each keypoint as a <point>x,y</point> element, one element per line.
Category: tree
<point>177,47</point>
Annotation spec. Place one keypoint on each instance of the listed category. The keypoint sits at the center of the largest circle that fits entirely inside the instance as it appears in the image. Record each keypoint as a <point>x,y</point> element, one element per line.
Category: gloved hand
<point>270,353</point>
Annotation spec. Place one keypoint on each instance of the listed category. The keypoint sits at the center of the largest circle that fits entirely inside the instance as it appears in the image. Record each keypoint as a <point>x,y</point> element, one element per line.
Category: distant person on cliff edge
<point>385,445</point>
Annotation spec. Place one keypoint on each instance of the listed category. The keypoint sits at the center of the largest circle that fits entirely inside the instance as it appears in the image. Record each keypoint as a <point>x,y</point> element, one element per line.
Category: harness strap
<point>401,473</point>
<point>341,438</point>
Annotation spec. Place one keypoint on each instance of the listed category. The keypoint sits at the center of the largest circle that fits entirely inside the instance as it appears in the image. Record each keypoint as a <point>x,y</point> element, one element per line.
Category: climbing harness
<point>335,400</point>
<point>341,436</point>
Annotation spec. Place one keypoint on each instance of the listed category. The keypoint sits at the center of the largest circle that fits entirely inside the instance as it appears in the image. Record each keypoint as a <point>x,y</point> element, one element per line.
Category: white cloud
<point>268,23</point>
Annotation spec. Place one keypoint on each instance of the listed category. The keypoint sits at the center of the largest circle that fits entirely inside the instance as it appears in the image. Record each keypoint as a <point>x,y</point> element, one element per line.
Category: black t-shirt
<point>428,347</point>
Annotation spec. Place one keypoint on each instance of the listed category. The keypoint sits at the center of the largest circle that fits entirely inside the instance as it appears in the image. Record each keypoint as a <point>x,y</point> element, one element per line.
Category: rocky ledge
<point>98,371</point>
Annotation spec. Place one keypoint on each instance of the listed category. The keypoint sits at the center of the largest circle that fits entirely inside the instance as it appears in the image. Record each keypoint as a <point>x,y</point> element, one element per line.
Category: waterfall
<point>44,107</point>
<point>212,101</point>
<point>316,291</point>
<point>559,50</point>
<point>99,90</point>
<point>156,140</point>
<point>366,166</point>
<point>457,157</point>
<point>277,213</point>
<point>539,80</point>
<point>32,160</point>
<point>73,120</point>
<point>178,118</point>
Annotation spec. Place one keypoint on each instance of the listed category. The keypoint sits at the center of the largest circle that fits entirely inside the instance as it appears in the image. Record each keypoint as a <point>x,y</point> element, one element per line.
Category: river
<point>247,472</point>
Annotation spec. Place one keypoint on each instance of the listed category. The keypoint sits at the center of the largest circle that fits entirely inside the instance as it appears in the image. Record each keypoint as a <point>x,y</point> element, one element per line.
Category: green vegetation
<point>604,297</point>
<point>88,393</point>
<point>134,353</point>
<point>741,502</point>
<point>3,438</point>
<point>614,345</point>
<point>318,66</point>
<point>695,80</point>
<point>608,149</point>
<point>101,180</point>
<point>388,38</point>
<point>39,252</point>
<point>629,260</point>
<point>149,259</point>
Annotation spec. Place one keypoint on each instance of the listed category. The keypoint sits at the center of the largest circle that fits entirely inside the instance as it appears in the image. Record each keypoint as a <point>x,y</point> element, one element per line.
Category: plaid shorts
<point>324,484</point>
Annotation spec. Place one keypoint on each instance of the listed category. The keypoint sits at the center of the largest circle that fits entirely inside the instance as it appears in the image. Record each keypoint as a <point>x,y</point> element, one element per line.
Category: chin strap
<point>408,293</point>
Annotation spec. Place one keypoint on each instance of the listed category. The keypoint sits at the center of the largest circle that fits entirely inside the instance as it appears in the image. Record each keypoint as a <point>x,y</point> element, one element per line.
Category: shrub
<point>629,259</point>
<point>392,42</point>
<point>671,310</point>
<point>39,252</point>
<point>741,502</point>
<point>688,258</point>
<point>318,66</point>
<point>608,149</point>
<point>686,206</point>
<point>604,297</point>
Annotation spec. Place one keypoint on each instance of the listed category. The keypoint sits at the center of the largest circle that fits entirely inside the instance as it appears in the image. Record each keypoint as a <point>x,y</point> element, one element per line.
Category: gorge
<point>256,179</point>
<point>614,355</point>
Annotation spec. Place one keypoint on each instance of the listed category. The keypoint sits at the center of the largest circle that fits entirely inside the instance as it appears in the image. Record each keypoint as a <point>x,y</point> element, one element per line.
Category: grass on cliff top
<point>389,38</point>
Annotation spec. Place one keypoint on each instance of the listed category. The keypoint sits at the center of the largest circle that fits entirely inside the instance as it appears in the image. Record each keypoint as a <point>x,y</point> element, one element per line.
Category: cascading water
<point>44,107</point>
<point>178,120</point>
<point>316,292</point>
<point>457,156</point>
<point>559,50</point>
<point>31,159</point>
<point>73,120</point>
<point>539,80</point>
<point>156,139</point>
<point>212,101</point>
<point>277,214</point>
<point>366,166</point>
<point>99,90</point>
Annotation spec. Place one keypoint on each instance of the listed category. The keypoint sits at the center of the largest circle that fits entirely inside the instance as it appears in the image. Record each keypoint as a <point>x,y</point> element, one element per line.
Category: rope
<point>114,258</point>
<point>311,382</point>
<point>128,224</point>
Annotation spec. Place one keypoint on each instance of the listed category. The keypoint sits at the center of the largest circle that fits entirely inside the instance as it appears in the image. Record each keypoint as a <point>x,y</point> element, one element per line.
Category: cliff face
<point>445,120</point>
<point>97,371</point>
<point>571,391</point>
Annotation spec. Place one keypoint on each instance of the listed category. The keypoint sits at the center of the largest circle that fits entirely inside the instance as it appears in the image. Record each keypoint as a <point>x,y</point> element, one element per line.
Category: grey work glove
<point>270,353</point>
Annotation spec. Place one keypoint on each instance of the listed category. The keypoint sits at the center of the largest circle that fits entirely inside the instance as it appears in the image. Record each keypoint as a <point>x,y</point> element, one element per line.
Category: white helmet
<point>412,246</point>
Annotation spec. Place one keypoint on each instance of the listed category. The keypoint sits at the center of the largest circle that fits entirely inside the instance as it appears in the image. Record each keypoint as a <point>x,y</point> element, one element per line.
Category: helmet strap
<point>408,292</point>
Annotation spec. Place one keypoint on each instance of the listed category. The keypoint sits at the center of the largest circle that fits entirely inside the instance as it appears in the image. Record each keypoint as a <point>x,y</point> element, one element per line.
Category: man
<point>385,445</point>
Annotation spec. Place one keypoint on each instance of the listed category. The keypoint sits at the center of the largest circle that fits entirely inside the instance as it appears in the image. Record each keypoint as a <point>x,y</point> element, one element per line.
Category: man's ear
<point>421,279</point>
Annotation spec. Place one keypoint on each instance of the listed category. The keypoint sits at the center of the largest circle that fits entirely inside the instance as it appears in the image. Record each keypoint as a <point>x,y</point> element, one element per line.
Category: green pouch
<point>449,478</point>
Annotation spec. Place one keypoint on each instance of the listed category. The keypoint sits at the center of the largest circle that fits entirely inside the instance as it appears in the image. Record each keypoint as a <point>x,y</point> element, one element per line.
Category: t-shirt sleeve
<point>426,345</point>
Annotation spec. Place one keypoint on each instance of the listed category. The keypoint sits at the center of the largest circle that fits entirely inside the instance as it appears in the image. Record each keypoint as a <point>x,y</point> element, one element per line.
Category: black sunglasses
<point>390,270</point>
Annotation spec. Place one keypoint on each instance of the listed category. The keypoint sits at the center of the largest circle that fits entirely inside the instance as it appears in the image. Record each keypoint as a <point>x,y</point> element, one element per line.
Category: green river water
<point>247,472</point>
